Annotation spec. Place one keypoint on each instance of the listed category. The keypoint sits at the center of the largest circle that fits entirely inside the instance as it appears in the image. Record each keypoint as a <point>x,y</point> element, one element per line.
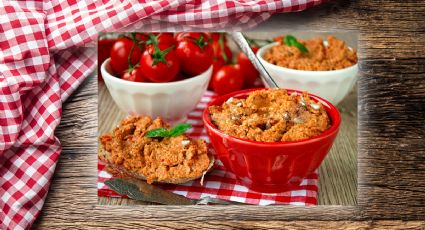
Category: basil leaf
<point>290,40</point>
<point>174,132</point>
<point>159,132</point>
<point>301,47</point>
<point>179,129</point>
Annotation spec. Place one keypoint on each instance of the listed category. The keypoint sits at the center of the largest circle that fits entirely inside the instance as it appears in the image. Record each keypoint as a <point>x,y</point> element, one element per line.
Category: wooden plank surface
<point>391,152</point>
<point>217,224</point>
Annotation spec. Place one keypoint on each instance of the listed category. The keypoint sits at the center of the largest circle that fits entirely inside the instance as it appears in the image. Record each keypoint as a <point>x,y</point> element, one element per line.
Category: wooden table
<point>391,133</point>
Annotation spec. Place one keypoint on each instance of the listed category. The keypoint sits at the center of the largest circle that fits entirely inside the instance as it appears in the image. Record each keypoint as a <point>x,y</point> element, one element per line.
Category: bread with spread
<point>172,159</point>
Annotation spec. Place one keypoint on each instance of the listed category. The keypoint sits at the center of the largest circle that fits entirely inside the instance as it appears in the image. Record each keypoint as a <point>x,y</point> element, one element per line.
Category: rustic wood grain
<point>391,156</point>
<point>215,224</point>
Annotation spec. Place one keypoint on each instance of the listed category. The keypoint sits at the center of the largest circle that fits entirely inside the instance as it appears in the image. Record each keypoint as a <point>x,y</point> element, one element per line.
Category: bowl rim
<point>264,48</point>
<point>117,80</point>
<point>331,110</point>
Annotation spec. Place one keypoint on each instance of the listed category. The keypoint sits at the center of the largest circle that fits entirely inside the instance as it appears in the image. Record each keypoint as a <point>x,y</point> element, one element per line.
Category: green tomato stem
<point>223,52</point>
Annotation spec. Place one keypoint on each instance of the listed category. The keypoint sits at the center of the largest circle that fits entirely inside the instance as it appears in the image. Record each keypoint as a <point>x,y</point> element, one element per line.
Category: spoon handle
<point>244,46</point>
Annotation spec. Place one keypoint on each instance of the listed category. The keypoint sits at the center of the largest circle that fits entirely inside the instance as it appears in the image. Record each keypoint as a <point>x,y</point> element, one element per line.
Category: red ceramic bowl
<point>271,166</point>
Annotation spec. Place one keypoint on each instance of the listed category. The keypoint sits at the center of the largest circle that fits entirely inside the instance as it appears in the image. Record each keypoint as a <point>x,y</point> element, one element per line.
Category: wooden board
<point>241,224</point>
<point>391,156</point>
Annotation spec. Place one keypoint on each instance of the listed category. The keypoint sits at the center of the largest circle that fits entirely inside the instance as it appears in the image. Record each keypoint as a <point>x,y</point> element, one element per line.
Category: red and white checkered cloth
<point>220,183</point>
<point>46,51</point>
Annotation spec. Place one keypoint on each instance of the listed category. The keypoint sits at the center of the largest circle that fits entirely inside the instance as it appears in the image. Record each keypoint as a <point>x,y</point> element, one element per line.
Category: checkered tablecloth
<point>46,51</point>
<point>221,183</point>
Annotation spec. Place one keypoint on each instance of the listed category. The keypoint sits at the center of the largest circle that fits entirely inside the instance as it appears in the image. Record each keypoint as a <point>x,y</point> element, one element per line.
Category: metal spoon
<point>244,46</point>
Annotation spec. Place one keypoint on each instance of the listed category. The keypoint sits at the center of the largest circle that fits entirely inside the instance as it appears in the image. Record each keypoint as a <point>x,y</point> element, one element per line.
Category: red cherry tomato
<point>159,71</point>
<point>161,46</point>
<point>218,51</point>
<point>248,70</point>
<point>227,79</point>
<point>216,36</point>
<point>166,38</point>
<point>135,75</point>
<point>196,35</point>
<point>217,64</point>
<point>196,55</point>
<point>142,37</point>
<point>104,47</point>
<point>179,77</point>
<point>121,51</point>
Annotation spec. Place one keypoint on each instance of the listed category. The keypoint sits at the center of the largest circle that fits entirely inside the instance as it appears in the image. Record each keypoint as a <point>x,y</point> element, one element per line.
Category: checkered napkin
<point>46,51</point>
<point>220,183</point>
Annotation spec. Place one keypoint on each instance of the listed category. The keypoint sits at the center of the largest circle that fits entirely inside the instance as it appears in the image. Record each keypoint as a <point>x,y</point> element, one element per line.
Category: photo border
<point>390,150</point>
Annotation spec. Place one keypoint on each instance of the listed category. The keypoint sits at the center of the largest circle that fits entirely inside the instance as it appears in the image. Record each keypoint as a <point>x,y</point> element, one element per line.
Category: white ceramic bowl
<point>332,85</point>
<point>171,100</point>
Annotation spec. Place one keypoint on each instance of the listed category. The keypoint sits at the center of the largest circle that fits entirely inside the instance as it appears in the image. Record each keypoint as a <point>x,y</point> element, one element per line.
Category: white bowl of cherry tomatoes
<point>159,74</point>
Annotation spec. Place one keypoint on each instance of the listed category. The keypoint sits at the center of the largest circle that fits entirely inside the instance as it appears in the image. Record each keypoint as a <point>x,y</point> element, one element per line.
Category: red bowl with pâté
<point>271,167</point>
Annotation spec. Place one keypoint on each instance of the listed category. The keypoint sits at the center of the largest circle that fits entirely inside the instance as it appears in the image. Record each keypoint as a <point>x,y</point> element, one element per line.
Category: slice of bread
<point>120,171</point>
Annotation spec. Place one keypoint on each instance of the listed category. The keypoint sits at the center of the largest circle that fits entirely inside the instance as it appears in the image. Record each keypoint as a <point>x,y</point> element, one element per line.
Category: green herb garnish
<point>173,132</point>
<point>292,41</point>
